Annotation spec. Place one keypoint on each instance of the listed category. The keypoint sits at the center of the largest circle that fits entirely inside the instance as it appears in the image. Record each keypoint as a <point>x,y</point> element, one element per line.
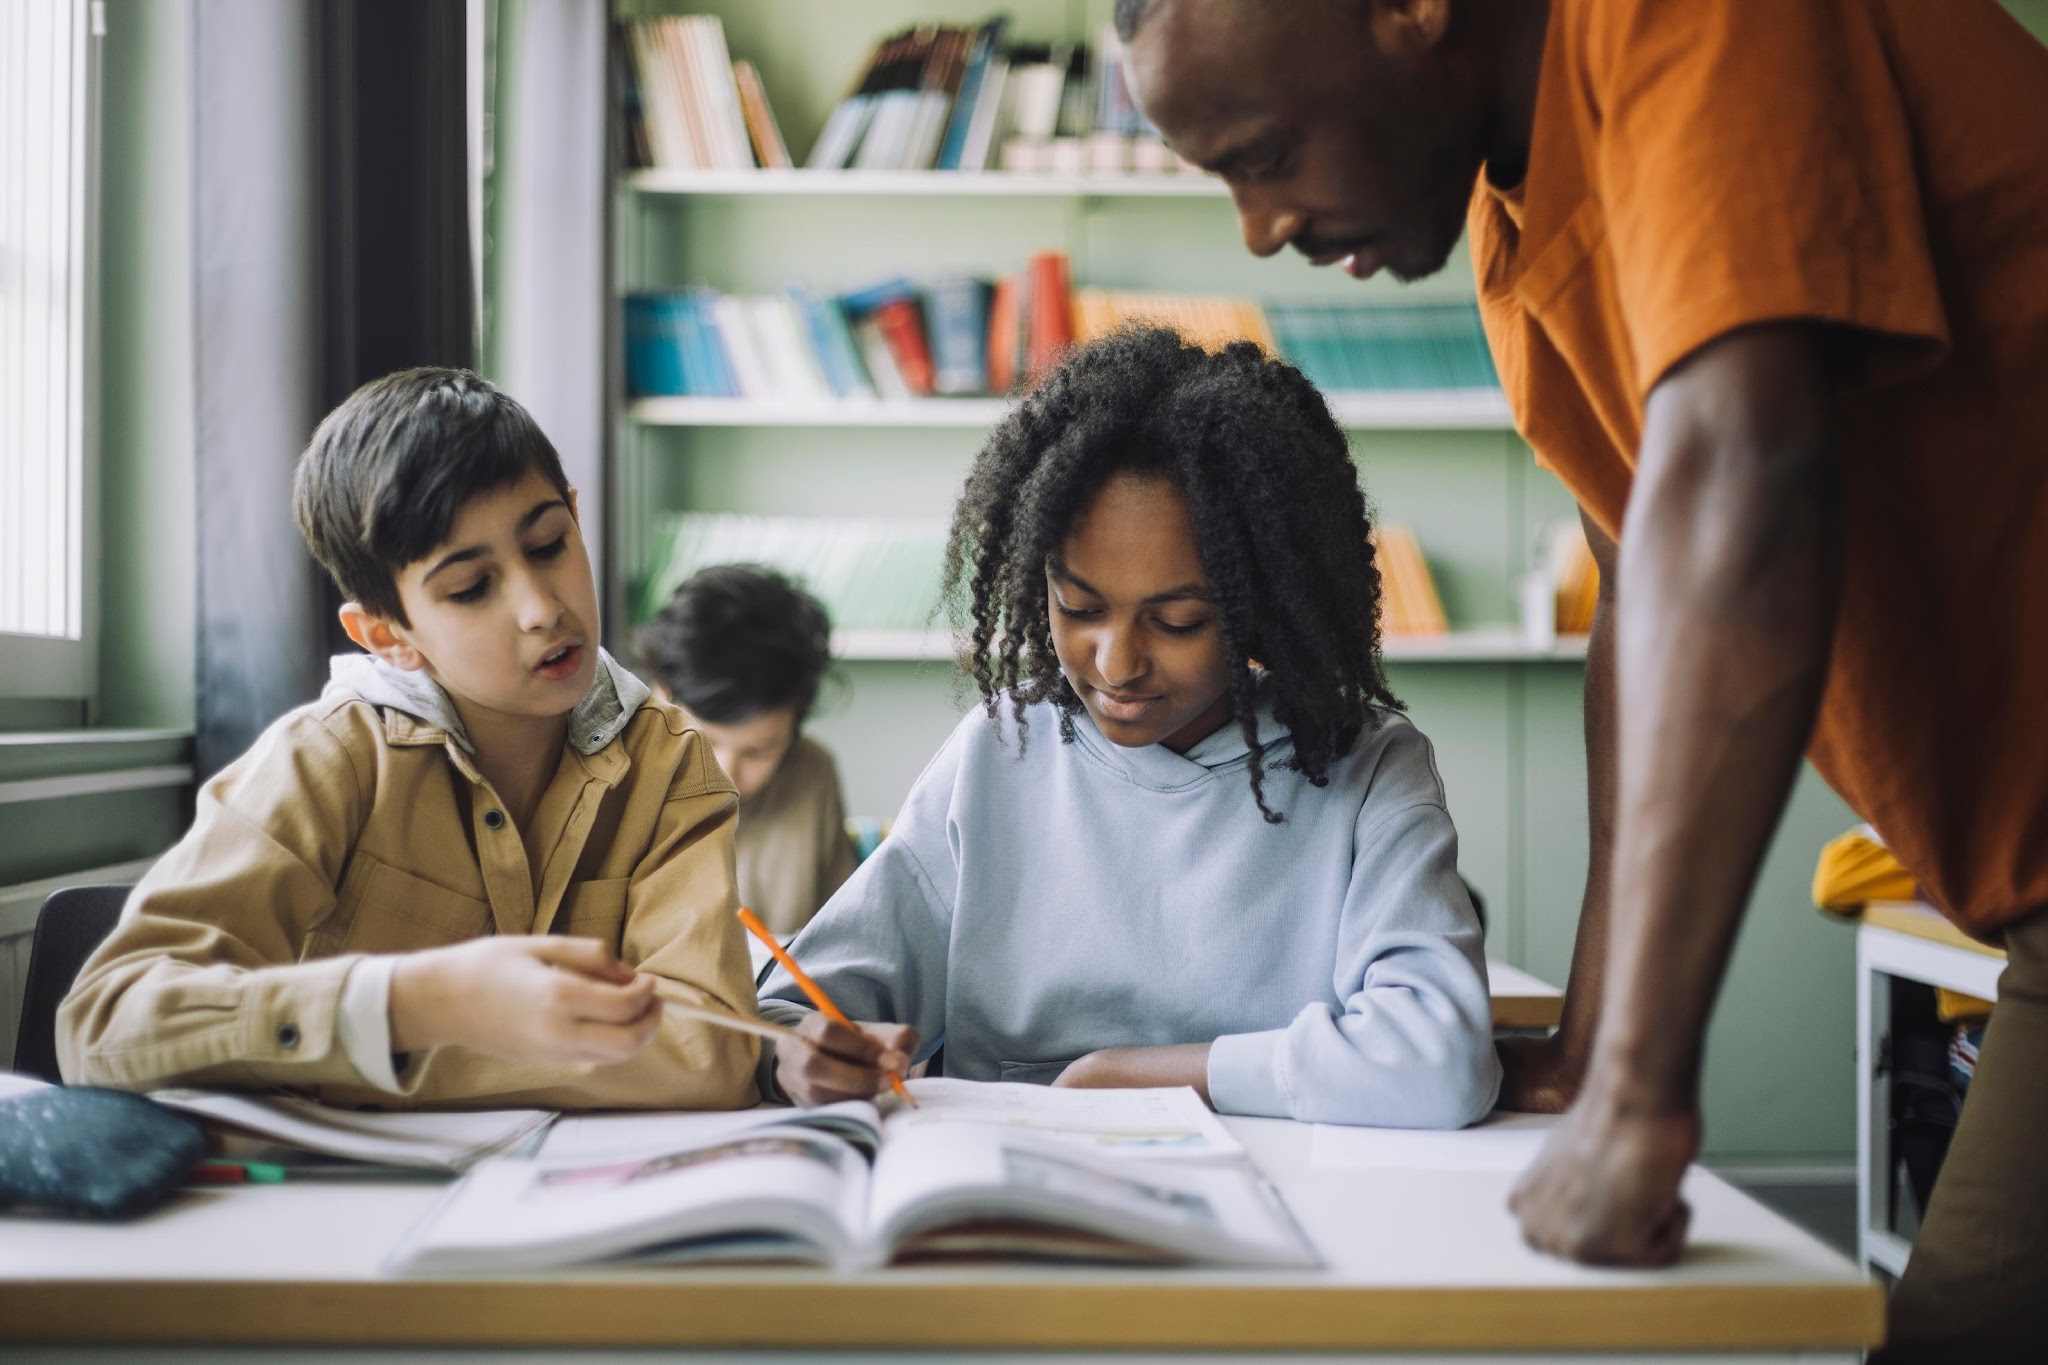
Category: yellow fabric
<point>347,831</point>
<point>1953,1006</point>
<point>1857,867</point>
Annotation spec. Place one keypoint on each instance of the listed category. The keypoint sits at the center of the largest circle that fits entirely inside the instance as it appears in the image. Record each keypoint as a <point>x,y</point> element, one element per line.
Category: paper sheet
<point>1503,1144</point>
<point>1150,1123</point>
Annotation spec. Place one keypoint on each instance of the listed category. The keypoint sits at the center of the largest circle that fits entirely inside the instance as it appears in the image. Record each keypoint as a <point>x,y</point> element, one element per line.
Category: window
<point>47,242</point>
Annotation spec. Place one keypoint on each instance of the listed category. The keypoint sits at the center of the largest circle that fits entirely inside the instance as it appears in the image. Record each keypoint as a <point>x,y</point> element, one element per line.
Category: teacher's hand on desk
<point>1604,1189</point>
<point>835,1063</point>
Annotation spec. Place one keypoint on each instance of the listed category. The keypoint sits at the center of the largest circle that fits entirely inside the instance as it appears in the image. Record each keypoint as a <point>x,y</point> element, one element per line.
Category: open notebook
<point>976,1170</point>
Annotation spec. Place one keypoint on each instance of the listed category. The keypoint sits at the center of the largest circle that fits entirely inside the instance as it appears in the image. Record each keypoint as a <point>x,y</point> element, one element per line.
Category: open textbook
<point>275,1126</point>
<point>977,1169</point>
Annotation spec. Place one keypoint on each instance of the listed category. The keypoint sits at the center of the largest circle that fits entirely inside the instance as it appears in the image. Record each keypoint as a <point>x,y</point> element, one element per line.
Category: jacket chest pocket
<point>395,911</point>
<point>594,909</point>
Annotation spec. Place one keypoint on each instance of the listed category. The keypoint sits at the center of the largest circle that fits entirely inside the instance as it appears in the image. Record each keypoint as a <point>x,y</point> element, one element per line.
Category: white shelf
<point>1384,410</point>
<point>1484,646</point>
<point>959,184</point>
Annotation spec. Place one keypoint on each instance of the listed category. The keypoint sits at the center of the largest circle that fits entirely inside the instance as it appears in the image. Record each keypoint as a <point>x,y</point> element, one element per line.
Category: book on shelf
<point>769,148</point>
<point>984,1170</point>
<point>1566,558</point>
<point>962,335</point>
<point>1409,603</point>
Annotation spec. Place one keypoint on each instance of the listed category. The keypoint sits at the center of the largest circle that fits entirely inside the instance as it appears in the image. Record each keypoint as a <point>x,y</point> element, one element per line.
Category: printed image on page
<point>1171,1123</point>
<point>807,1187</point>
<point>933,1177</point>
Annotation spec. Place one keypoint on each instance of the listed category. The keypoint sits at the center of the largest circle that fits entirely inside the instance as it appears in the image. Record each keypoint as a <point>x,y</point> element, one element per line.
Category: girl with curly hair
<point>1188,838</point>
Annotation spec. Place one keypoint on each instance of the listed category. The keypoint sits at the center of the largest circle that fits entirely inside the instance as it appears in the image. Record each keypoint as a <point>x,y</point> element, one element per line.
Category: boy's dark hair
<point>1281,524</point>
<point>384,477</point>
<point>736,640</point>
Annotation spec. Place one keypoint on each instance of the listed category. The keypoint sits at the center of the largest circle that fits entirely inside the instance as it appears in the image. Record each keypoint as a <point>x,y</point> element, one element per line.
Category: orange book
<point>767,137</point>
<point>903,328</point>
<point>1002,336</point>
<point>1052,315</point>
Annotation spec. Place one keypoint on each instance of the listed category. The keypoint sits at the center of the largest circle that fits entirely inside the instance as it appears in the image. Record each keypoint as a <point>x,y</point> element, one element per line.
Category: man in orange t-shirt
<point>1767,287</point>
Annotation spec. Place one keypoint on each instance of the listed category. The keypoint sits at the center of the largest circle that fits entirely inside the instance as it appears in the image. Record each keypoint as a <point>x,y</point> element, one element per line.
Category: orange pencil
<point>811,988</point>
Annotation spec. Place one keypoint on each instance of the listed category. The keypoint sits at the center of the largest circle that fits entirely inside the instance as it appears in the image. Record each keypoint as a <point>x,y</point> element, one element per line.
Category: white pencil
<point>726,1019</point>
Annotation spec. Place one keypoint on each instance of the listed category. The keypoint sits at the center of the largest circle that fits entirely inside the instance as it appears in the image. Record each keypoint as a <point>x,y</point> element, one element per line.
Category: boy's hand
<point>545,1000</point>
<point>836,1063</point>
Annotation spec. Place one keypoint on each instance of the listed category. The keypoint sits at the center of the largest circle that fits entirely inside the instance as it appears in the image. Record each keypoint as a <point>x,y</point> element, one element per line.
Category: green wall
<point>148,561</point>
<point>1779,1084</point>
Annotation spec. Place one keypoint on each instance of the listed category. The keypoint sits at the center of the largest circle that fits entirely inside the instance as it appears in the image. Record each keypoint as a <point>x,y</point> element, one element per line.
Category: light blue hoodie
<point>1036,902</point>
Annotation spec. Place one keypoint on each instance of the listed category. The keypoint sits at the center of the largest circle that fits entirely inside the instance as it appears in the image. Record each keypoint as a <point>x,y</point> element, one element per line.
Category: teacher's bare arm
<point>1730,577</point>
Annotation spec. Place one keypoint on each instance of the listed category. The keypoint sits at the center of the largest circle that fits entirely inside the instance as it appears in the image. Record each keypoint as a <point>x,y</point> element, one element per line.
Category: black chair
<point>70,925</point>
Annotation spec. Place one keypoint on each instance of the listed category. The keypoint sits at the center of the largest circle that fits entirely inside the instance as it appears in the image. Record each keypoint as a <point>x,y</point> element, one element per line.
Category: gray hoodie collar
<point>614,696</point>
<point>1157,766</point>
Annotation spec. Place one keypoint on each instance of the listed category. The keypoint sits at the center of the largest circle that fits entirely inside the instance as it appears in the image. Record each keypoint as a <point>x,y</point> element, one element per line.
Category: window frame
<point>37,667</point>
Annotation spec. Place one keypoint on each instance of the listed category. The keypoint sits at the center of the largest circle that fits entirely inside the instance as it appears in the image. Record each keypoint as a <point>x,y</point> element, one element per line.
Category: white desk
<point>1418,1262</point>
<point>1910,940</point>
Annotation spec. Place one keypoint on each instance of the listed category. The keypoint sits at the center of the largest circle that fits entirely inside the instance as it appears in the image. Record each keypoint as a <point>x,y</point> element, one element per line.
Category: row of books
<point>883,573</point>
<point>688,105</point>
<point>930,97</point>
<point>956,336</point>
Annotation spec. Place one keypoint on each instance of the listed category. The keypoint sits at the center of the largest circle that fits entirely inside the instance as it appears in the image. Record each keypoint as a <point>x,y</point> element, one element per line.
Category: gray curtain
<point>330,245</point>
<point>548,226</point>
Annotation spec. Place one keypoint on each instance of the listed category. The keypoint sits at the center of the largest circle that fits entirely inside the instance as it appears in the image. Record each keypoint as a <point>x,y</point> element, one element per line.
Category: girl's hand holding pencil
<point>836,1062</point>
<point>837,1059</point>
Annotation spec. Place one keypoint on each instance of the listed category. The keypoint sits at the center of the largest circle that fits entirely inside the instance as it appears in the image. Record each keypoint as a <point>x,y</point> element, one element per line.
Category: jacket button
<point>495,819</point>
<point>288,1035</point>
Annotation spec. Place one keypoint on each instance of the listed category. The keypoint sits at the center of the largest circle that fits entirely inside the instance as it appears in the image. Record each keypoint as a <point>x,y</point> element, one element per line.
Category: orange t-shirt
<point>1878,165</point>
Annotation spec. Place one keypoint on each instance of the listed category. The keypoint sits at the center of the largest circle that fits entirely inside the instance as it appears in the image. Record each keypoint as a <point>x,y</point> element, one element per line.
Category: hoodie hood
<point>614,696</point>
<point>1225,751</point>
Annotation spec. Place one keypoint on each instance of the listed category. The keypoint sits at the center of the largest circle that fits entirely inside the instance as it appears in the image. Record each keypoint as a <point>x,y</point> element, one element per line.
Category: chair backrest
<point>70,925</point>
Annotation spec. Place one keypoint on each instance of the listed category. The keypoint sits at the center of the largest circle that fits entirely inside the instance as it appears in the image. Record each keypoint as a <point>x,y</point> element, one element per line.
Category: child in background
<point>1189,839</point>
<point>743,649</point>
<point>471,873</point>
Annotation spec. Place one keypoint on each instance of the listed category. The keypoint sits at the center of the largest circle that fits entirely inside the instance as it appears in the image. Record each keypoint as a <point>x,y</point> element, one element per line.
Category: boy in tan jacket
<point>471,873</point>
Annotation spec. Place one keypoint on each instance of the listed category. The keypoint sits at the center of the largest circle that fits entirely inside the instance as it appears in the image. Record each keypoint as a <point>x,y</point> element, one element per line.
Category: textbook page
<point>1501,1143</point>
<point>959,1176</point>
<point>1166,1123</point>
<point>451,1141</point>
<point>599,1137</point>
<point>793,1187</point>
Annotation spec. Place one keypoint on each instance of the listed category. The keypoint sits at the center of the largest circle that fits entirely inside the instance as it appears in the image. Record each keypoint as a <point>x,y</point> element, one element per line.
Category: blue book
<point>811,309</point>
<point>956,311</point>
<point>859,303</point>
<point>682,325</point>
<point>720,380</point>
<point>654,362</point>
<point>847,349</point>
<point>987,43</point>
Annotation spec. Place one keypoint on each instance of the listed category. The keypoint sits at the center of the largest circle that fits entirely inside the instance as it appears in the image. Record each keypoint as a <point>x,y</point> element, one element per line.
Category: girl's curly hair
<point>1277,510</point>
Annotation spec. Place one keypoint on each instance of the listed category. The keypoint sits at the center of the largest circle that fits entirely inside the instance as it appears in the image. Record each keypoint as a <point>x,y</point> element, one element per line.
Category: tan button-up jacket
<point>350,829</point>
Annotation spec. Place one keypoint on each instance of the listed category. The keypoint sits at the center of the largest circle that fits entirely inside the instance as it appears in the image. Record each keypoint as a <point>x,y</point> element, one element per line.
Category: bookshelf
<point>1445,463</point>
<point>1493,646</point>
<point>1390,410</point>
<point>913,184</point>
